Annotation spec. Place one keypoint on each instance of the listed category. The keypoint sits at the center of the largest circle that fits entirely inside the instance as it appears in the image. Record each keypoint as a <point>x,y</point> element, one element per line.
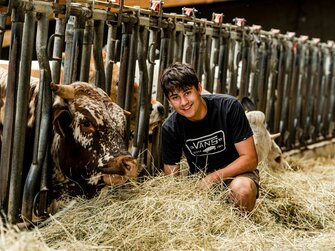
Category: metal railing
<point>290,78</point>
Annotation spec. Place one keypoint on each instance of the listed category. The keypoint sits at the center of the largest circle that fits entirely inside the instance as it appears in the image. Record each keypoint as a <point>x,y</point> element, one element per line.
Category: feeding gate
<point>291,79</point>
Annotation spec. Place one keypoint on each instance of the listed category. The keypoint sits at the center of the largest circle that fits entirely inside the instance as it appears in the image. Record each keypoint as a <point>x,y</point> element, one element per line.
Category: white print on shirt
<point>207,145</point>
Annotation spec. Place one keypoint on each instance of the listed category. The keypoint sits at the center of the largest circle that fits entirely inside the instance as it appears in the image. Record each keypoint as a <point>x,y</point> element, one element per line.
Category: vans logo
<point>207,145</point>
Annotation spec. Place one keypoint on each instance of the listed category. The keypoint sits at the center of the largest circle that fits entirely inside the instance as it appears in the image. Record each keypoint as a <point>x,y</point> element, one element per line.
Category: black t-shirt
<point>208,144</point>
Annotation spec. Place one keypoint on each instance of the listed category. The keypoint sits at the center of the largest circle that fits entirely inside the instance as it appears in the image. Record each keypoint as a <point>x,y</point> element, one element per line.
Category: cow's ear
<point>62,121</point>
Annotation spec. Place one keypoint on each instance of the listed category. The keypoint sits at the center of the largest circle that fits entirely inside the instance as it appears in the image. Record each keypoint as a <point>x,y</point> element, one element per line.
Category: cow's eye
<point>87,126</point>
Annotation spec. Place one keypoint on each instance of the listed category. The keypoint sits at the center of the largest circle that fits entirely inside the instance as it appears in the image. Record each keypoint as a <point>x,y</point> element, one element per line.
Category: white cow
<point>267,150</point>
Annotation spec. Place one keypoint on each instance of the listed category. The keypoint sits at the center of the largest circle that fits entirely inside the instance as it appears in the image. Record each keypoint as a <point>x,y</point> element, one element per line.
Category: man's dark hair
<point>178,76</point>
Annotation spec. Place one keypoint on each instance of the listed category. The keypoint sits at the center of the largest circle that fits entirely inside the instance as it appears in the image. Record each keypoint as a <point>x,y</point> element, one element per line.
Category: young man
<point>213,133</point>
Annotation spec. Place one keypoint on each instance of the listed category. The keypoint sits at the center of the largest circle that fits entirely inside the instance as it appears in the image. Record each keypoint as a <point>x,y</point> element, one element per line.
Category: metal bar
<point>110,55</point>
<point>293,96</point>
<point>56,63</point>
<point>196,55</point>
<point>188,42</point>
<point>100,79</point>
<point>280,88</point>
<point>163,58</point>
<point>326,92</point>
<point>142,117</point>
<point>316,71</point>
<point>124,58</point>
<point>309,127</point>
<point>18,163</point>
<point>153,33</point>
<point>213,46</point>
<point>68,63</point>
<point>264,76</point>
<point>301,91</point>
<point>43,130</point>
<point>223,63</point>
<point>14,193</point>
<point>77,48</point>
<point>131,76</point>
<point>286,88</point>
<point>274,50</point>
<point>87,51</point>
<point>179,48</point>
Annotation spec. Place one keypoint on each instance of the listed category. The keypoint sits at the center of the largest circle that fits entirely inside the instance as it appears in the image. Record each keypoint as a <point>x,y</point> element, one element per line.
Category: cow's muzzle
<point>118,170</point>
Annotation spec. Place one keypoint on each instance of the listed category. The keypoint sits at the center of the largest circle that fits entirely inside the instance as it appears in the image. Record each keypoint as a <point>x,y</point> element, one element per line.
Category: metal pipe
<point>87,51</point>
<point>11,190</point>
<point>43,131</point>
<point>110,55</point>
<point>100,80</point>
<point>77,48</point>
<point>125,48</point>
<point>163,59</point>
<point>68,64</point>
<point>142,117</point>
<point>22,108</point>
<point>56,63</point>
<point>223,63</point>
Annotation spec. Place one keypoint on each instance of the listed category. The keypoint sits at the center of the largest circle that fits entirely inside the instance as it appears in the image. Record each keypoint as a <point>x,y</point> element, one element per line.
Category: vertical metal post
<point>7,200</point>
<point>142,113</point>
<point>112,42</point>
<point>163,57</point>
<point>19,171</point>
<point>86,52</point>
<point>56,63</point>
<point>100,80</point>
<point>77,49</point>
<point>124,58</point>
<point>43,121</point>
<point>68,64</point>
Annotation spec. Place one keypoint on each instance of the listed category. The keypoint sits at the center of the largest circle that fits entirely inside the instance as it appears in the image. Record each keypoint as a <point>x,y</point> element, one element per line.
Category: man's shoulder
<point>221,100</point>
<point>170,120</point>
<point>219,96</point>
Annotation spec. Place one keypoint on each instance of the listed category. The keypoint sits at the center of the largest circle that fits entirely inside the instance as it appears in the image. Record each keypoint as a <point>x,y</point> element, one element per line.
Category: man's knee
<point>243,185</point>
<point>244,192</point>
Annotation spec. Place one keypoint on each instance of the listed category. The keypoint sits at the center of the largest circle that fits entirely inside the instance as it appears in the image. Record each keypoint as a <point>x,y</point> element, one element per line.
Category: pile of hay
<point>295,211</point>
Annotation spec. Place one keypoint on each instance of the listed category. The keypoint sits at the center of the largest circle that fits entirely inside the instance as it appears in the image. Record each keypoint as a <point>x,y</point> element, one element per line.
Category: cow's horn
<point>126,112</point>
<point>64,91</point>
<point>274,136</point>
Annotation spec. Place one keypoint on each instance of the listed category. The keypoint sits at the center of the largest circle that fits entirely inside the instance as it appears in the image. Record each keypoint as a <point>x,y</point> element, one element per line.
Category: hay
<point>295,211</point>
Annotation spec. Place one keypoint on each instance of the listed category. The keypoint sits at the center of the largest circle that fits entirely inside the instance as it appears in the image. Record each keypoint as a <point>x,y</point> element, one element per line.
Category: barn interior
<point>296,207</point>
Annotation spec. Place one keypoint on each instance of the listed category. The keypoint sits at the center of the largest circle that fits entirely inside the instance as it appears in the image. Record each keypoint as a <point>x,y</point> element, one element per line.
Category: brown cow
<point>88,148</point>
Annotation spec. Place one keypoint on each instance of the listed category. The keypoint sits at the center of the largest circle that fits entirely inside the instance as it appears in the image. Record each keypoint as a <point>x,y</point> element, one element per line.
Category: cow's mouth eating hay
<point>296,210</point>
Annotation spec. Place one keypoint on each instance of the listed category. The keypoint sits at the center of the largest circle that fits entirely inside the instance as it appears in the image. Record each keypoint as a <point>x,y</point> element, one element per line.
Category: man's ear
<point>199,87</point>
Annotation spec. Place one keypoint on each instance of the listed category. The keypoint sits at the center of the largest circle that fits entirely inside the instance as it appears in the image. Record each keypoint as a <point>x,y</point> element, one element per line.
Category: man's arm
<point>246,162</point>
<point>171,169</point>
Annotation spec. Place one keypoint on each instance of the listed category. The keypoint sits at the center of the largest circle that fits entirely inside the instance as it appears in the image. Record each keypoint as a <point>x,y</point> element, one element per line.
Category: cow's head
<point>267,149</point>
<point>88,145</point>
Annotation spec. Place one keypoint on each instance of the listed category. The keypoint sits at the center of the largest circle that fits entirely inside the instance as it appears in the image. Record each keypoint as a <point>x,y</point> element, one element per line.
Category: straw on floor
<point>295,211</point>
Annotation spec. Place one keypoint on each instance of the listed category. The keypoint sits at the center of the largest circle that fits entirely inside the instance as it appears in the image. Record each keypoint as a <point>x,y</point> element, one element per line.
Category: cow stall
<point>291,79</point>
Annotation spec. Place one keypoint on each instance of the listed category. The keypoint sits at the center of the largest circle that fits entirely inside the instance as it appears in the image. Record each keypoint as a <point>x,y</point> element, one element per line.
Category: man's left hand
<point>205,183</point>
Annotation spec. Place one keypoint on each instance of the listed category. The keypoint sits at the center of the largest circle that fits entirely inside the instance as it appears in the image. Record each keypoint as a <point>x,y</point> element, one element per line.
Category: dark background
<point>315,18</point>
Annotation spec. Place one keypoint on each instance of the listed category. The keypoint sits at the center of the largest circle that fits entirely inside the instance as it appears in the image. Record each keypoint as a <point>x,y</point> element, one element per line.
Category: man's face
<point>188,103</point>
